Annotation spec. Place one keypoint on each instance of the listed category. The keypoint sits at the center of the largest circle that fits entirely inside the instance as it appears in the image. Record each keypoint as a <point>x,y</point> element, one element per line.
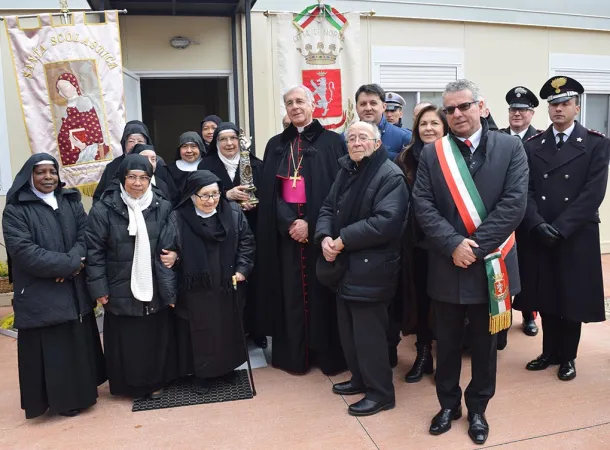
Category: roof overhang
<point>215,8</point>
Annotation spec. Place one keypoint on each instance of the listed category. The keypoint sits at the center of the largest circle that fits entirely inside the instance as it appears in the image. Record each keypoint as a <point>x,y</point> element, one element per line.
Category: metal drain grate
<point>181,393</point>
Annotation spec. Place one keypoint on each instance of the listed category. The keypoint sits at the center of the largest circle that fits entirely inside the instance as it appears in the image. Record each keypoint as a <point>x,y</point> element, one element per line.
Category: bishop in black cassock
<point>300,314</point>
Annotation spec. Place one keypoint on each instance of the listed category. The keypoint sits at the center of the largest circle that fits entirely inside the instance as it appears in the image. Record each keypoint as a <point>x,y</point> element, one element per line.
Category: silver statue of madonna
<point>245,169</point>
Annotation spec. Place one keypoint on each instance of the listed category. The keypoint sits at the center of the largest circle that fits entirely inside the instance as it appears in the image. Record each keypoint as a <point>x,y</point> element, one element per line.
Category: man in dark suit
<point>521,103</point>
<point>560,252</point>
<point>492,167</point>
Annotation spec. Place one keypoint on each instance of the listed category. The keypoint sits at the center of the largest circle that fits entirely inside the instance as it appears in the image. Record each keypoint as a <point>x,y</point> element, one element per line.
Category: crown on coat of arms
<point>320,57</point>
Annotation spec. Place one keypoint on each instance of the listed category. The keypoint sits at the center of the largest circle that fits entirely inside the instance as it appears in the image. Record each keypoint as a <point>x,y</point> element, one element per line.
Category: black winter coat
<point>501,176</point>
<point>566,189</point>
<point>373,243</point>
<point>111,249</point>
<point>244,241</point>
<point>43,245</point>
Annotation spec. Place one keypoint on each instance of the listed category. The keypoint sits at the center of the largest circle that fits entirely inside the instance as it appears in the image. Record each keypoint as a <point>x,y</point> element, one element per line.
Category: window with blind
<point>593,72</point>
<point>416,73</point>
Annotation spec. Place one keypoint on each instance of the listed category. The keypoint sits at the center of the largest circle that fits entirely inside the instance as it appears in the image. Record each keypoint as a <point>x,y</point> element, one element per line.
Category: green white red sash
<point>472,212</point>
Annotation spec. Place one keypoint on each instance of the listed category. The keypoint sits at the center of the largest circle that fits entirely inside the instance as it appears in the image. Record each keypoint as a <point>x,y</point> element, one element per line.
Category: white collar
<point>188,166</point>
<point>200,213</point>
<point>49,198</point>
<point>475,139</point>
<point>519,134</point>
<point>567,132</point>
<point>300,129</point>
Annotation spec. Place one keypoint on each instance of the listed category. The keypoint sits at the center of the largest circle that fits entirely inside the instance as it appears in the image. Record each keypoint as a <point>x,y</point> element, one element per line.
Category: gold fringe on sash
<point>87,189</point>
<point>500,322</point>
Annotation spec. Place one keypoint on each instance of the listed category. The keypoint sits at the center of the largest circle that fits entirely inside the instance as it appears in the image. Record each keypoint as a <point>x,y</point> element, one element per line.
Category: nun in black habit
<point>161,179</point>
<point>223,159</point>
<point>127,231</point>
<point>208,125</point>
<point>188,156</point>
<point>58,351</point>
<point>215,244</point>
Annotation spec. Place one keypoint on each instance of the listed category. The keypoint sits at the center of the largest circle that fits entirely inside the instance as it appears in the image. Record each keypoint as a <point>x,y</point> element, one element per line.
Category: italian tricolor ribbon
<point>309,14</point>
<point>472,212</point>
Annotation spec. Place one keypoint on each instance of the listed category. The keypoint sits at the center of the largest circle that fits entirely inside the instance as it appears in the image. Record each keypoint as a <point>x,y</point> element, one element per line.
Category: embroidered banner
<point>70,82</point>
<point>320,48</point>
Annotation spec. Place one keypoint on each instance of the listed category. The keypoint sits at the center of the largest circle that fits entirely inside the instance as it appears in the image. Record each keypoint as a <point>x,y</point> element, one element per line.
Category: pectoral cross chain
<point>295,177</point>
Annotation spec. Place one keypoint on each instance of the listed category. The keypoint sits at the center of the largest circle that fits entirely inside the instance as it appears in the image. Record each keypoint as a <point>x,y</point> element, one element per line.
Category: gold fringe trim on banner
<point>87,189</point>
<point>500,322</point>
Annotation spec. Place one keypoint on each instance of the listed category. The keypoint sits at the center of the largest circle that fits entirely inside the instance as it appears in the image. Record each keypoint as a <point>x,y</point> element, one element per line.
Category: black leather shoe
<point>368,407</point>
<point>201,386</point>
<point>441,423</point>
<point>542,362</point>
<point>347,388</point>
<point>478,429</point>
<point>70,413</point>
<point>530,328</point>
<point>567,371</point>
<point>157,394</point>
<point>423,364</point>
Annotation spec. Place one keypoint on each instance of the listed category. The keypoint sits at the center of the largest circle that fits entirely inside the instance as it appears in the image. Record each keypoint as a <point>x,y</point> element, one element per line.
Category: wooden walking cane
<point>243,335</point>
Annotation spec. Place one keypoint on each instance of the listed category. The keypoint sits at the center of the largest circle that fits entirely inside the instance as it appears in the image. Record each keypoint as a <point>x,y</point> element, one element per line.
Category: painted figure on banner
<point>326,60</point>
<point>79,130</point>
<point>70,84</point>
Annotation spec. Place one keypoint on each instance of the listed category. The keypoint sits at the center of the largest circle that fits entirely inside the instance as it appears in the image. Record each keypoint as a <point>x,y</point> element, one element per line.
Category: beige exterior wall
<point>493,58</point>
<point>145,43</point>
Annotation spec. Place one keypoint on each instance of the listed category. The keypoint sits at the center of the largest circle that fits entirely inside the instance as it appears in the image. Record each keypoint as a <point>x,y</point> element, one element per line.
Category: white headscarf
<point>141,269</point>
<point>231,164</point>
<point>188,166</point>
<point>49,198</point>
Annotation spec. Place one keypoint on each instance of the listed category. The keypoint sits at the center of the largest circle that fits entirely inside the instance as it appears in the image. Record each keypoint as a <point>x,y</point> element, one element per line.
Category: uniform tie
<point>561,137</point>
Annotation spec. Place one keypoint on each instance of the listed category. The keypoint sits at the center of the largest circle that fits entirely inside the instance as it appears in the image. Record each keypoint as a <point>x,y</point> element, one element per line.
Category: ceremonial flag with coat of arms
<point>320,48</point>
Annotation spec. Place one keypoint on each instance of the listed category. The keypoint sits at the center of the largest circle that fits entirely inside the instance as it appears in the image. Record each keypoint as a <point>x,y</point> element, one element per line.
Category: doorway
<point>171,106</point>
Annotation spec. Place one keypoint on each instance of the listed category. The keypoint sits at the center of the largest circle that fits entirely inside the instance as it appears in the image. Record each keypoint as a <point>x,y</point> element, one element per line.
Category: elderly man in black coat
<point>359,227</point>
<point>559,248</point>
<point>486,170</point>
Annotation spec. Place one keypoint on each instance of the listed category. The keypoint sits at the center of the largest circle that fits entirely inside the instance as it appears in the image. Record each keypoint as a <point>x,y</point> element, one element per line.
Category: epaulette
<point>535,136</point>
<point>596,132</point>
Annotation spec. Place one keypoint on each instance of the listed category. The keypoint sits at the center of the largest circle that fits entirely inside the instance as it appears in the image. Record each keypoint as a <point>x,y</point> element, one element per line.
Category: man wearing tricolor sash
<point>469,197</point>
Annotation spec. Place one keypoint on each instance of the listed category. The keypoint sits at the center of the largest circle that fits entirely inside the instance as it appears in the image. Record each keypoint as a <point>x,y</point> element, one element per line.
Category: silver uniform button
<point>566,176</point>
<point>566,199</point>
<point>543,197</point>
<point>546,175</point>
<point>366,260</point>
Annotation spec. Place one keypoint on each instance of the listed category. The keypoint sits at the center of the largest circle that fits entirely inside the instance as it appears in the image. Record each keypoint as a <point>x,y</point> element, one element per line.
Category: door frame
<point>174,74</point>
<point>136,78</point>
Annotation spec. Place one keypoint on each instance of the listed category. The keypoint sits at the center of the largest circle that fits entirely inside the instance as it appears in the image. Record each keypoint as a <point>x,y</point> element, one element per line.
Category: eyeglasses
<point>134,178</point>
<point>362,138</point>
<point>226,139</point>
<point>206,197</point>
<point>519,110</point>
<point>462,107</point>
